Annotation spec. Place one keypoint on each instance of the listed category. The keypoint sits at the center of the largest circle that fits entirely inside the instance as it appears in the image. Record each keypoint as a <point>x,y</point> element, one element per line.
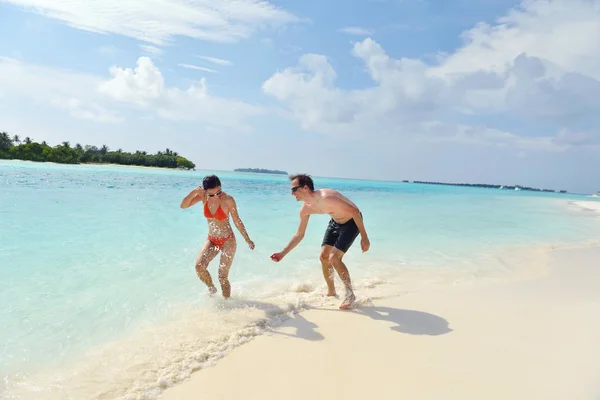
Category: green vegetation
<point>14,148</point>
<point>261,171</point>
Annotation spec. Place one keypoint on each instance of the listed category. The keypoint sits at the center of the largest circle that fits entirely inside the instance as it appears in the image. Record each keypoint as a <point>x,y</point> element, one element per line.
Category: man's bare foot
<point>348,302</point>
<point>331,294</point>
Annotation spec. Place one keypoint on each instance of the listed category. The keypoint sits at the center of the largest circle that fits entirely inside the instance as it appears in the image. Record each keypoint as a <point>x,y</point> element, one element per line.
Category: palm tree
<point>44,143</point>
<point>5,141</point>
<point>66,144</point>
<point>16,139</point>
<point>104,149</point>
<point>28,140</point>
<point>78,147</point>
<point>91,149</point>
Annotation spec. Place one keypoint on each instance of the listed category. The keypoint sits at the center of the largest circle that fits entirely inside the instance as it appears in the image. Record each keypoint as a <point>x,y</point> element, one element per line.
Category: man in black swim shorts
<point>340,236</point>
<point>345,225</point>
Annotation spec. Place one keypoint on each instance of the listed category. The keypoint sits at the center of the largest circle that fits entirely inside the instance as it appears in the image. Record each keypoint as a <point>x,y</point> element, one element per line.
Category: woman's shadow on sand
<point>305,329</point>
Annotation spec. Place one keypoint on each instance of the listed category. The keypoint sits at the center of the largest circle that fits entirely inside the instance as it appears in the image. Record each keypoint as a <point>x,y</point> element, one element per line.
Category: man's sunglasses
<point>295,188</point>
<point>215,194</point>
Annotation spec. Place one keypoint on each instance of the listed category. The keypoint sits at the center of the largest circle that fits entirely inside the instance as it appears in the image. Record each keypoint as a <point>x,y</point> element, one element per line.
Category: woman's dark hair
<point>210,182</point>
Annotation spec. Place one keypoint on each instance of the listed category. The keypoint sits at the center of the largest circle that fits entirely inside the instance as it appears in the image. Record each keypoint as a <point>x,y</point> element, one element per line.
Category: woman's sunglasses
<point>215,194</point>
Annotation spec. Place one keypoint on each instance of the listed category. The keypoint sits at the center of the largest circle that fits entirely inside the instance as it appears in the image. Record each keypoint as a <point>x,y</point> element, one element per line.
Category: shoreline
<point>197,336</point>
<point>135,166</point>
<point>588,205</point>
<point>203,338</point>
<point>99,164</point>
<point>467,339</point>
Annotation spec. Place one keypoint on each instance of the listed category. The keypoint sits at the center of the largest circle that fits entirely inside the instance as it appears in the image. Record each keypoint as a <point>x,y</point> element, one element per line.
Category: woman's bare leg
<point>227,255</point>
<point>206,255</point>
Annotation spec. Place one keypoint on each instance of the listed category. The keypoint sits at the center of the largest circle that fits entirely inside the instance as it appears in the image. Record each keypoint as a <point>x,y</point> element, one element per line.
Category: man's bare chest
<point>320,208</point>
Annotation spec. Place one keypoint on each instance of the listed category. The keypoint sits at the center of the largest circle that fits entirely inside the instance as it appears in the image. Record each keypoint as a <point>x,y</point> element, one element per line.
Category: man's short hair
<point>211,182</point>
<point>304,180</point>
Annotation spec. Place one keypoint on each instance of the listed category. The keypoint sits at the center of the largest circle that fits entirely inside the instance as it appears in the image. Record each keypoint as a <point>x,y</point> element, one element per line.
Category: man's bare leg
<point>206,255</point>
<point>327,269</point>
<point>336,260</point>
<point>227,254</point>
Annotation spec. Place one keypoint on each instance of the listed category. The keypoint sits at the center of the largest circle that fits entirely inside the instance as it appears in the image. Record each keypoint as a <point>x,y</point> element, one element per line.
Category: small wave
<point>301,287</point>
<point>160,355</point>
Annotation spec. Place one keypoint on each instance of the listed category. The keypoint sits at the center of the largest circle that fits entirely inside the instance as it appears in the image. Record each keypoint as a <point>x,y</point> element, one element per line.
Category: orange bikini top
<point>219,215</point>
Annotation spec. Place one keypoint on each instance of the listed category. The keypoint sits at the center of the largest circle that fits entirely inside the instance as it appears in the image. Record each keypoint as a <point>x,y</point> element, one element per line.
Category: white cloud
<point>97,98</point>
<point>218,61</point>
<point>570,138</point>
<point>356,30</point>
<point>197,68</point>
<point>83,110</point>
<point>440,132</point>
<point>520,69</point>
<point>158,23</point>
<point>151,49</point>
<point>55,88</point>
<point>139,86</point>
<point>563,32</point>
<point>196,104</point>
<point>403,95</point>
<point>145,87</point>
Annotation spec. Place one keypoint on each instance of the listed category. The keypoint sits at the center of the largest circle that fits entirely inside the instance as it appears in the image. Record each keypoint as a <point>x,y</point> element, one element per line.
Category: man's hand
<point>365,244</point>
<point>277,257</point>
<point>250,244</point>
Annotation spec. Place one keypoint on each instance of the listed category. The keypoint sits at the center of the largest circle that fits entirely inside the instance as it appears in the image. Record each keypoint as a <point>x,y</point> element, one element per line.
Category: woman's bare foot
<point>348,302</point>
<point>212,290</point>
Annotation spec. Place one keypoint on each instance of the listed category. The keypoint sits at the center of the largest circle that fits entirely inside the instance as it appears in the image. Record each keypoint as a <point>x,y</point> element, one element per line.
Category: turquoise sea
<point>99,297</point>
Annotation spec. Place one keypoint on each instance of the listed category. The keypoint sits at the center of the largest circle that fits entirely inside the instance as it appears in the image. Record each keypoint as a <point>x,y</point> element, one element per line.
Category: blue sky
<point>464,91</point>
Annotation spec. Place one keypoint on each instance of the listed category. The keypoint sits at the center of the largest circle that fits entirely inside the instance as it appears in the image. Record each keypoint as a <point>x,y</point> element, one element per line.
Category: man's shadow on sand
<point>411,322</point>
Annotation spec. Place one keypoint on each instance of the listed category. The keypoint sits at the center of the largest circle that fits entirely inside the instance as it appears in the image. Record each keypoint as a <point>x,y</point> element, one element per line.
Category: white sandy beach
<point>530,339</point>
<point>589,205</point>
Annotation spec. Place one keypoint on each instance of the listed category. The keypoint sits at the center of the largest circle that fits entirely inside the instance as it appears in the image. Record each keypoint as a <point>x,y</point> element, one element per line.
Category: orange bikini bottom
<point>220,241</point>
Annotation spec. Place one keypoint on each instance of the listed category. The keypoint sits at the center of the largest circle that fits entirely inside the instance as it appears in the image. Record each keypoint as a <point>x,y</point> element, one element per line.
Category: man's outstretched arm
<point>297,238</point>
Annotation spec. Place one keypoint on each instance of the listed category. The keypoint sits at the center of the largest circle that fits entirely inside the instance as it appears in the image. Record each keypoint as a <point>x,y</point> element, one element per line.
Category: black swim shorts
<point>340,235</point>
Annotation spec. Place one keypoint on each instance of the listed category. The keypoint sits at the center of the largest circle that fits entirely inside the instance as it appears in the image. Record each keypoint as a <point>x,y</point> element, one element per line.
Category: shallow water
<point>98,261</point>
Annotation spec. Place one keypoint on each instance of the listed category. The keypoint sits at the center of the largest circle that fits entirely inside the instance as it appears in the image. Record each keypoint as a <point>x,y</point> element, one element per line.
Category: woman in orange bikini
<point>218,205</point>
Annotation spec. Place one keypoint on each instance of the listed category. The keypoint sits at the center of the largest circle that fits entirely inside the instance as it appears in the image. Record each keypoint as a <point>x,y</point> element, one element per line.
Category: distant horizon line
<point>413,181</point>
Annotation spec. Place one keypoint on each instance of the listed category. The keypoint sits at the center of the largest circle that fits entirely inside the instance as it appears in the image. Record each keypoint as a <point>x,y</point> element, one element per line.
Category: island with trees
<point>488,186</point>
<point>12,147</point>
<point>261,171</point>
